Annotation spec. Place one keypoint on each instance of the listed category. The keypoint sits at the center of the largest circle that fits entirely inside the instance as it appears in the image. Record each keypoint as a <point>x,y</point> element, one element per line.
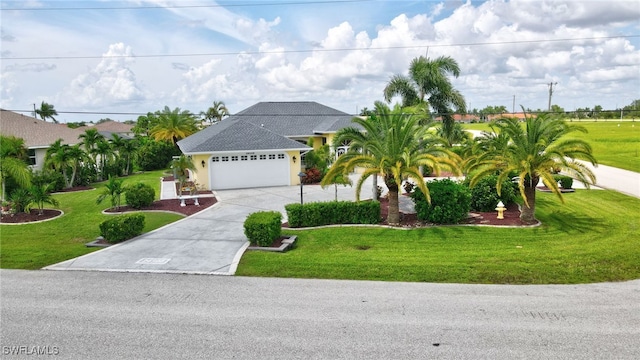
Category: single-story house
<point>38,135</point>
<point>262,145</point>
<point>110,127</point>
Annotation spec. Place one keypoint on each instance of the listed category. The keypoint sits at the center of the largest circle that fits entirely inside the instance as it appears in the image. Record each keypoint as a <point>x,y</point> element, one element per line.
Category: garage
<point>249,169</point>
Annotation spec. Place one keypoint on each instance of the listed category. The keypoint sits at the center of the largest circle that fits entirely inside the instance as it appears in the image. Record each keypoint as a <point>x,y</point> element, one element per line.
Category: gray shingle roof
<point>36,133</point>
<point>301,118</point>
<point>236,135</point>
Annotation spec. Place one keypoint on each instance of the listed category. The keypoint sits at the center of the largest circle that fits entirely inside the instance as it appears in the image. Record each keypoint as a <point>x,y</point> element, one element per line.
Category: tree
<point>127,150</point>
<point>216,112</point>
<point>173,125</point>
<point>104,151</point>
<point>144,124</point>
<point>428,81</point>
<point>180,166</point>
<point>113,189</point>
<point>532,153</point>
<point>47,111</point>
<point>12,162</point>
<point>395,149</point>
<point>89,140</point>
<point>64,158</point>
<point>41,194</point>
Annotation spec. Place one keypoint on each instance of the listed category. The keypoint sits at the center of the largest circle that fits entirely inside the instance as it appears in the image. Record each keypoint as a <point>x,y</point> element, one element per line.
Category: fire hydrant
<point>500,208</point>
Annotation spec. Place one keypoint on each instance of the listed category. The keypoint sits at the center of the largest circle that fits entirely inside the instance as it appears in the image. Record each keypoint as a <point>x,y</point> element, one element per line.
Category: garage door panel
<point>235,171</point>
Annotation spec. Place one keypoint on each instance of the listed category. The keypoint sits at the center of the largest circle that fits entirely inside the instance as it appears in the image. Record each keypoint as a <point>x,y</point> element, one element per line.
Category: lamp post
<point>301,175</point>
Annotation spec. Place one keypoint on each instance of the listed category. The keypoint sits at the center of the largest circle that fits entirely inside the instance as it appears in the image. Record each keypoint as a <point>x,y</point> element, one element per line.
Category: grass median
<point>594,237</point>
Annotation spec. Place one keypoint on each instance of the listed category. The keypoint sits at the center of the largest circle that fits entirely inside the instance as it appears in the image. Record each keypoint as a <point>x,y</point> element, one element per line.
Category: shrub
<point>53,179</point>
<point>20,200</point>
<point>313,176</point>
<point>484,196</point>
<point>335,212</point>
<point>122,227</point>
<point>450,202</point>
<point>566,182</point>
<point>139,195</point>
<point>155,155</point>
<point>263,227</point>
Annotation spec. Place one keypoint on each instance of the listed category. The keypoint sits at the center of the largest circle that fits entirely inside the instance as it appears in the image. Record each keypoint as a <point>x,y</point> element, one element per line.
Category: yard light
<point>294,159</point>
<point>301,175</point>
<point>500,208</point>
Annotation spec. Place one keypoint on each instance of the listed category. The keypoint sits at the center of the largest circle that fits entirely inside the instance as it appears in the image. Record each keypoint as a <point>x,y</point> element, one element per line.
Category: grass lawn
<point>613,145</point>
<point>34,246</point>
<point>593,237</point>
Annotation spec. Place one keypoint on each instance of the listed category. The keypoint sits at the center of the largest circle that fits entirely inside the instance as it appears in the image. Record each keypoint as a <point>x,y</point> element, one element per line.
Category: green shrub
<point>335,212</point>
<point>155,155</point>
<point>566,182</point>
<point>20,200</point>
<point>139,195</point>
<point>122,227</point>
<point>263,227</point>
<point>484,196</point>
<point>450,202</point>
<point>54,179</point>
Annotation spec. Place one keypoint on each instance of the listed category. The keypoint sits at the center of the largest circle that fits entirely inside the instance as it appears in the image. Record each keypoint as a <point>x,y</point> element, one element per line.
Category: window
<point>234,158</point>
<point>272,156</point>
<point>280,156</point>
<point>244,157</point>
<point>225,158</point>
<point>215,159</point>
<point>254,157</point>
<point>32,157</point>
<point>263,157</point>
<point>324,140</point>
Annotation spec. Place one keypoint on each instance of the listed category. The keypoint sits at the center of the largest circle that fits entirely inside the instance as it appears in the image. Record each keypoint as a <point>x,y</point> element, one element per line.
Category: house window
<point>215,159</point>
<point>225,158</point>
<point>272,156</point>
<point>32,157</point>
<point>234,158</point>
<point>244,157</point>
<point>254,157</point>
<point>324,141</point>
<point>280,156</point>
<point>263,157</point>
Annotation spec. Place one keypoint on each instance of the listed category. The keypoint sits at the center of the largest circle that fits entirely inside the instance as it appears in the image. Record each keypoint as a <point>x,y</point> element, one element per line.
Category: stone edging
<point>286,244</point>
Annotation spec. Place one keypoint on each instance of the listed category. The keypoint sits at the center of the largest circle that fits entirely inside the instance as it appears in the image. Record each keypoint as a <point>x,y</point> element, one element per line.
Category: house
<point>462,118</point>
<point>38,135</point>
<point>262,145</point>
<point>110,127</point>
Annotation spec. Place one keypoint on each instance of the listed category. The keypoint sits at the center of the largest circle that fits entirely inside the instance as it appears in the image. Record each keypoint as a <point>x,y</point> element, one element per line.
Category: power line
<point>322,50</point>
<point>258,4</point>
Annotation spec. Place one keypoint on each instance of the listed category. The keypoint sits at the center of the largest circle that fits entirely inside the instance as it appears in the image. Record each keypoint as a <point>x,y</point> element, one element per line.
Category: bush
<point>566,182</point>
<point>20,200</point>
<point>313,176</point>
<point>450,202</point>
<point>156,155</point>
<point>48,177</point>
<point>263,227</point>
<point>121,228</point>
<point>335,212</point>
<point>139,195</point>
<point>484,196</point>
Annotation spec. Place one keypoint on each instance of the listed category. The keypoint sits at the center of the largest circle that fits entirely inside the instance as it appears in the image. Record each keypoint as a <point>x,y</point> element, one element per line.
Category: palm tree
<point>128,151</point>
<point>395,150</point>
<point>180,166</point>
<point>40,194</point>
<point>105,152</point>
<point>12,162</point>
<point>47,111</point>
<point>428,81</point>
<point>532,152</point>
<point>89,140</point>
<point>112,189</point>
<point>216,112</point>
<point>173,125</point>
<point>76,157</point>
<point>58,158</point>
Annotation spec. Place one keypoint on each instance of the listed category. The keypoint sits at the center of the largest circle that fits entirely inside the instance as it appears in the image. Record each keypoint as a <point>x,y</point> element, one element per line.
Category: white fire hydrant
<point>500,208</point>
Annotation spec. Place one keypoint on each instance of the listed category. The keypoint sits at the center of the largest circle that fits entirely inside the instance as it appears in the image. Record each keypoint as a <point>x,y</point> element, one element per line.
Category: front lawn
<point>34,246</point>
<point>594,237</point>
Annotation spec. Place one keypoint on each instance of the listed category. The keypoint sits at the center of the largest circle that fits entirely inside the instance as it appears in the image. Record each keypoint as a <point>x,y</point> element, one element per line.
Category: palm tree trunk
<point>393,218</point>
<point>375,187</point>
<point>528,215</point>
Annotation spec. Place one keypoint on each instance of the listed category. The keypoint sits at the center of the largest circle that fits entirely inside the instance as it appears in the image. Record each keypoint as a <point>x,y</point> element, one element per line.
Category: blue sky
<point>339,53</point>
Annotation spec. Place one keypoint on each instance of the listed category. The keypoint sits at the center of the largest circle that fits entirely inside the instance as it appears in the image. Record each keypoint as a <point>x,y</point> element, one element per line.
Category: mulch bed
<point>171,205</point>
<point>32,216</point>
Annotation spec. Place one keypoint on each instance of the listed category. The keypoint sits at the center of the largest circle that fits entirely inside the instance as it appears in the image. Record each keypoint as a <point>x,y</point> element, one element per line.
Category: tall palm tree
<point>12,162</point>
<point>76,157</point>
<point>104,151</point>
<point>47,111</point>
<point>58,158</point>
<point>428,81</point>
<point>395,150</point>
<point>216,112</point>
<point>173,125</point>
<point>533,152</point>
<point>89,140</point>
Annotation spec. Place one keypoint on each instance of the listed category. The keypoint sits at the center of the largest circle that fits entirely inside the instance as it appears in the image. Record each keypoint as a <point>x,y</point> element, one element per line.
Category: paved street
<point>99,315</point>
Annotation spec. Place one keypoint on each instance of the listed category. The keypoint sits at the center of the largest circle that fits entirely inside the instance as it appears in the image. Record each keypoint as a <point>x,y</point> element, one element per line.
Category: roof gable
<point>36,133</point>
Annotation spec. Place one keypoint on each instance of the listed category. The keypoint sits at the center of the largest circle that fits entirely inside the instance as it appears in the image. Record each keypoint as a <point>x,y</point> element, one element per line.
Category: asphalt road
<point>101,315</point>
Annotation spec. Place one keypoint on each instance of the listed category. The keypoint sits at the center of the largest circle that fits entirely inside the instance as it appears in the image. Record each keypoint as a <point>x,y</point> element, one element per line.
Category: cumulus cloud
<point>111,81</point>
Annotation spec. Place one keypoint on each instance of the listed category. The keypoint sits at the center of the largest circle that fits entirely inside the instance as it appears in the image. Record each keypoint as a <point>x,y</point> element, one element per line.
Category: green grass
<point>593,237</point>
<point>613,145</point>
<point>34,246</point>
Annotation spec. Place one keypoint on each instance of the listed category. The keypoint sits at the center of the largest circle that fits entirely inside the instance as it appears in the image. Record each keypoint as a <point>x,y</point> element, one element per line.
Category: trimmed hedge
<point>139,195</point>
<point>122,227</point>
<point>263,227</point>
<point>566,182</point>
<point>335,212</point>
<point>450,202</point>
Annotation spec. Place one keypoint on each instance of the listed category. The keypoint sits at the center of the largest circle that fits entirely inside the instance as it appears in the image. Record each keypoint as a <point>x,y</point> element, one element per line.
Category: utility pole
<point>551,93</point>
<point>513,107</point>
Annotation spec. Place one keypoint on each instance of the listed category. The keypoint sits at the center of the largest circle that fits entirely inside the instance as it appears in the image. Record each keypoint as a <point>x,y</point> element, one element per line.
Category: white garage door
<point>236,171</point>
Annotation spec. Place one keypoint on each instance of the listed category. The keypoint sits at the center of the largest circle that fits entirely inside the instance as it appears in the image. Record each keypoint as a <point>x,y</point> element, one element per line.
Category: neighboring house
<point>107,128</point>
<point>38,135</point>
<point>261,145</point>
<point>463,118</point>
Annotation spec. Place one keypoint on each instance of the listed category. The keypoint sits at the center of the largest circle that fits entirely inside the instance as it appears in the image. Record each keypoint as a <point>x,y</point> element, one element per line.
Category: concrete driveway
<point>209,242</point>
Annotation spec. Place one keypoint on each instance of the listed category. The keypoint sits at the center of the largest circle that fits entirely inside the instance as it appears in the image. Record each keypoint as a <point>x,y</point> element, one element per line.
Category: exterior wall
<point>40,155</point>
<point>294,167</point>
<point>201,175</point>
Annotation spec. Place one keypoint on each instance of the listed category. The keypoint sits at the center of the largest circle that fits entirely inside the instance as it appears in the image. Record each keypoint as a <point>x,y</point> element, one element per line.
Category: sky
<point>121,59</point>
